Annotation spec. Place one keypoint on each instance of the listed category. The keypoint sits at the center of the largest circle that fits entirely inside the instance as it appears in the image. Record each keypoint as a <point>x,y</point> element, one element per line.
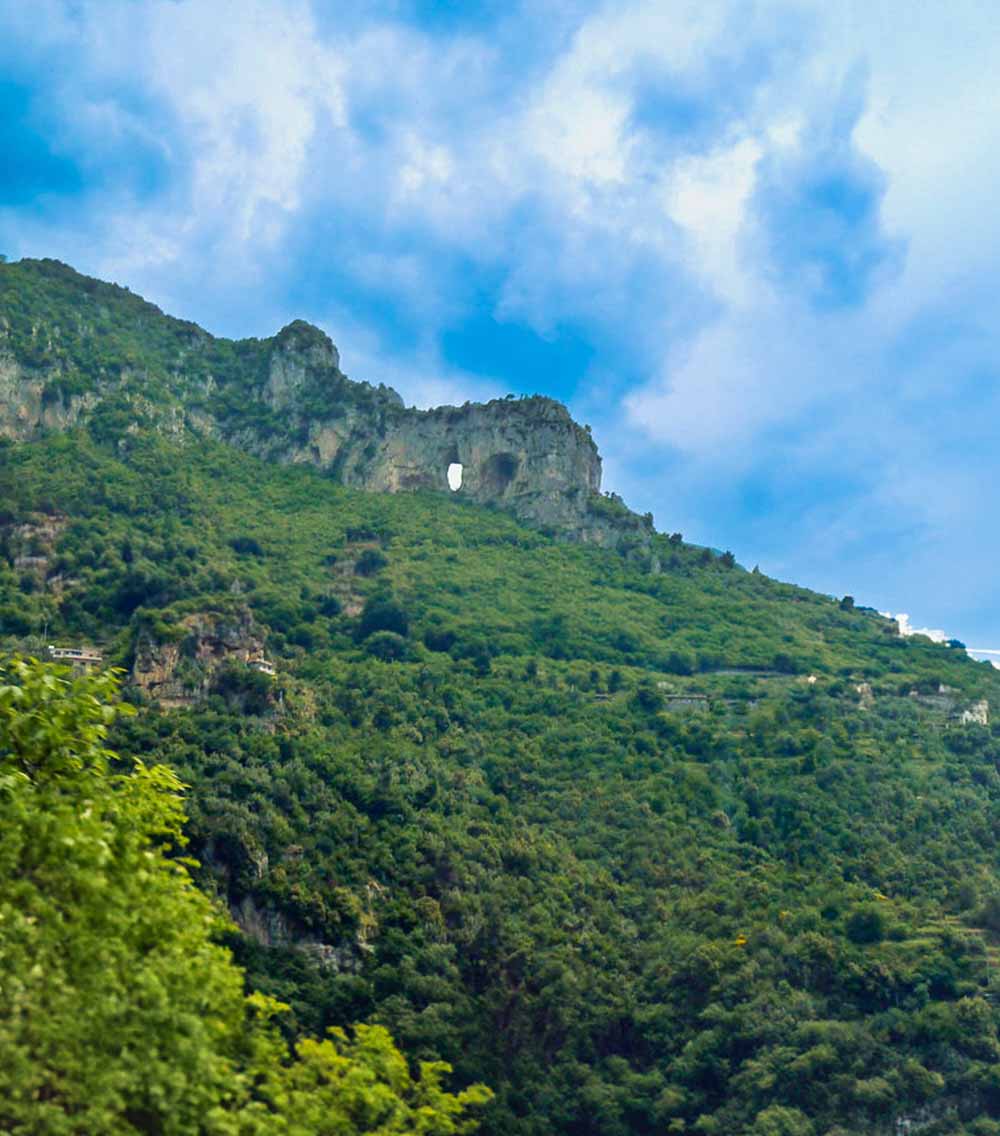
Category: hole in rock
<point>497,472</point>
<point>455,476</point>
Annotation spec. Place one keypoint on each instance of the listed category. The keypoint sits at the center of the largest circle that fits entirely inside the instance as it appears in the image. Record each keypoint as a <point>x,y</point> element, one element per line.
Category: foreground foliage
<point>119,1012</point>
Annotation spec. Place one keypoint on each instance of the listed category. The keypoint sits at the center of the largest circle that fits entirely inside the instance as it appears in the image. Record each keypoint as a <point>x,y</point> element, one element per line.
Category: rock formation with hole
<point>285,399</point>
<point>525,455</point>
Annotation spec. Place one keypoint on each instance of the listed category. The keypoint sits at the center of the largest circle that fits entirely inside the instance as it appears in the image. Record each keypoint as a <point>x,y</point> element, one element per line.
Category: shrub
<point>370,562</point>
<point>383,614</point>
<point>387,646</point>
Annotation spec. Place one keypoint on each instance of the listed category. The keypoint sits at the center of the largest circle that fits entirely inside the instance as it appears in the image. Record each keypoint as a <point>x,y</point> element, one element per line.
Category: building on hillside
<point>685,701</point>
<point>978,713</point>
<point>263,665</point>
<point>76,656</point>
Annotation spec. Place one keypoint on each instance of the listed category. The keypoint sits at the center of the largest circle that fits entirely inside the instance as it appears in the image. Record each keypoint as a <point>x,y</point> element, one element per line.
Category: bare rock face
<point>179,671</point>
<point>29,406</point>
<point>300,350</point>
<point>269,928</point>
<point>30,547</point>
<point>525,455</point>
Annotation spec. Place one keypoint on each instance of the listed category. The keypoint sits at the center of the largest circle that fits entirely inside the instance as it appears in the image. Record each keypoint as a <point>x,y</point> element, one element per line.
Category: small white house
<point>80,656</point>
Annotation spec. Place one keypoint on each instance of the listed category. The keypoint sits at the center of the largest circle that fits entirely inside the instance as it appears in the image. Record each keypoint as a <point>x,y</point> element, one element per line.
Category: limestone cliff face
<point>27,406</point>
<point>526,455</point>
<point>180,671</point>
<point>286,399</point>
<point>29,547</point>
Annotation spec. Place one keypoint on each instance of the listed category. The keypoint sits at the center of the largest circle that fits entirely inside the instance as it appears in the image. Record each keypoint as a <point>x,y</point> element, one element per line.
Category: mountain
<point>75,350</point>
<point>646,842</point>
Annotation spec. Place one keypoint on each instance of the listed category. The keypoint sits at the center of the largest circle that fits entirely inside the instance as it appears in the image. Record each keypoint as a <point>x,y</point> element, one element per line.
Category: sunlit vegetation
<point>646,843</point>
<point>121,1013</point>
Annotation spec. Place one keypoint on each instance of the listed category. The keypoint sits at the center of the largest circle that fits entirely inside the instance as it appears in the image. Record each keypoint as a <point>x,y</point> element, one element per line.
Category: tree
<point>866,924</point>
<point>780,1121</point>
<point>649,699</point>
<point>115,996</point>
<point>784,663</point>
<point>387,646</point>
<point>370,562</point>
<point>119,1012</point>
<point>363,1085</point>
<point>382,613</point>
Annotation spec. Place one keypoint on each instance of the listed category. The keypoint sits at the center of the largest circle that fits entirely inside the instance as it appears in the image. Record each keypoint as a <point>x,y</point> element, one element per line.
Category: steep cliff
<point>183,667</point>
<point>78,351</point>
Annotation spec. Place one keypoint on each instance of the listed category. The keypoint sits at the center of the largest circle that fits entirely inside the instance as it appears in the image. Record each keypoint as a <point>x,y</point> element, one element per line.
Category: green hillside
<point>675,851</point>
<point>91,338</point>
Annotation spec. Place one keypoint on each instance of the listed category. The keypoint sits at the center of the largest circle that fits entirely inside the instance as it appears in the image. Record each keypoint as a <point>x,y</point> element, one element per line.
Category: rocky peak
<point>302,359</point>
<point>180,668</point>
<point>284,399</point>
<point>309,343</point>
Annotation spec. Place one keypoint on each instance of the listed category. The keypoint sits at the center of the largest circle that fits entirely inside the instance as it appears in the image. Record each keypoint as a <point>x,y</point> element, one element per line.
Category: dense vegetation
<point>685,851</point>
<point>119,1012</point>
<point>495,830</point>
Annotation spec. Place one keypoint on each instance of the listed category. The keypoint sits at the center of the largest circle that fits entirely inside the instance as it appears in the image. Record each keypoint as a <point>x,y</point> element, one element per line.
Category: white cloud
<point>427,164</point>
<point>707,196</point>
<point>248,82</point>
<point>906,629</point>
<point>579,130</point>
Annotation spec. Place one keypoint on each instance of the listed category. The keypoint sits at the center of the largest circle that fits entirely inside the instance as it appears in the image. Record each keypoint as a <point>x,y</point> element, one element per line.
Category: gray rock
<point>285,399</point>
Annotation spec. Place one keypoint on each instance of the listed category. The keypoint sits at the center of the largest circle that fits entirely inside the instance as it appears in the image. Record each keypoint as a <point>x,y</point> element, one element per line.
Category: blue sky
<point>752,244</point>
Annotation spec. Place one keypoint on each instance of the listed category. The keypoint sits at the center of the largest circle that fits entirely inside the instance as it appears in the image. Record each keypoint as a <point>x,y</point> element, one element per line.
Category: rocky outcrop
<point>526,455</point>
<point>269,928</point>
<point>523,454</point>
<point>31,406</point>
<point>29,547</point>
<point>286,399</point>
<point>181,668</point>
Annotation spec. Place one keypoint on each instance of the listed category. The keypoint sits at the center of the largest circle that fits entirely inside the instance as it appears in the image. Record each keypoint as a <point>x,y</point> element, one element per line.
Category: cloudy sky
<point>753,244</point>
